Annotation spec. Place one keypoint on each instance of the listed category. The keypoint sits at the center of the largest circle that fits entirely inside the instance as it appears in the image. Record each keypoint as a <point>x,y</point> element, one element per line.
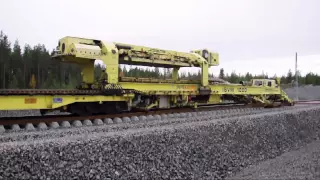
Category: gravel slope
<point>299,164</point>
<point>204,149</point>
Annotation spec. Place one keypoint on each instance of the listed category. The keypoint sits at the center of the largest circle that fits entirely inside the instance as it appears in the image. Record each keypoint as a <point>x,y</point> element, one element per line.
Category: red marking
<point>30,100</point>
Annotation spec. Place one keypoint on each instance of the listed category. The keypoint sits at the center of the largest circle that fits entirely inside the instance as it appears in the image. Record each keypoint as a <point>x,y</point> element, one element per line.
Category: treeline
<point>32,67</point>
<point>309,79</point>
<point>290,78</point>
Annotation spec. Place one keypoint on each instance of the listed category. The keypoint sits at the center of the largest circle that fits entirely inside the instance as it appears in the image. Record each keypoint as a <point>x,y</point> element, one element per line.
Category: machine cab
<point>264,83</point>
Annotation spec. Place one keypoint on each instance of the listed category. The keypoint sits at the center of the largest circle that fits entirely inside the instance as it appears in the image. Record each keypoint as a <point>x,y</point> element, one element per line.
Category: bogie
<point>94,108</point>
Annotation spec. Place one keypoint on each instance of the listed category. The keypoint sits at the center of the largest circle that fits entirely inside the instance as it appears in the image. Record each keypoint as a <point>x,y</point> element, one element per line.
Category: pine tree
<point>17,66</point>
<point>33,82</point>
<point>157,72</point>
<point>234,78</point>
<point>248,76</point>
<point>14,82</point>
<point>5,52</point>
<point>289,76</point>
<point>221,74</point>
<point>125,72</point>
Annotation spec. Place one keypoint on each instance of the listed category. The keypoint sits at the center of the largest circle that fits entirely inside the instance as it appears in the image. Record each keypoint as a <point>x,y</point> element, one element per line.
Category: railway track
<point>208,134</point>
<point>56,121</point>
<point>60,118</point>
<point>30,123</point>
<point>112,125</point>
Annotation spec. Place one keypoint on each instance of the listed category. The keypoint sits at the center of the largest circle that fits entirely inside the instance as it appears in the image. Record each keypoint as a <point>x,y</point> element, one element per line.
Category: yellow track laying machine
<point>115,94</point>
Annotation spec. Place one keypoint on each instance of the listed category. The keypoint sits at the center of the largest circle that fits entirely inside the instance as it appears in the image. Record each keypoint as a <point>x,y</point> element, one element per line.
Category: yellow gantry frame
<point>85,51</point>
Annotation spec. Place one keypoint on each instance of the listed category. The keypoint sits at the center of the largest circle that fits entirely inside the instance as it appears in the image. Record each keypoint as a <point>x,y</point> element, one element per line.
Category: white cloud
<point>246,33</point>
<point>271,66</point>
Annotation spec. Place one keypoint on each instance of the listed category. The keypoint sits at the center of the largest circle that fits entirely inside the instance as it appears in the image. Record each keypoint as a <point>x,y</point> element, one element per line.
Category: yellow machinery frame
<point>164,93</point>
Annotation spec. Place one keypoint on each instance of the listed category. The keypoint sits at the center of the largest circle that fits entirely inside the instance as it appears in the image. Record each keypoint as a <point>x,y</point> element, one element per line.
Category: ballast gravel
<point>29,127</point>
<point>42,126</point>
<point>2,129</point>
<point>97,122</point>
<point>18,113</point>
<point>303,163</point>
<point>54,125</point>
<point>15,127</point>
<point>108,121</point>
<point>65,124</point>
<point>212,149</point>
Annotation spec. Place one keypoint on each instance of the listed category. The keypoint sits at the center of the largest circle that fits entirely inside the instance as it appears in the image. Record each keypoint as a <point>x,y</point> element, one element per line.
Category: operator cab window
<point>269,83</point>
<point>258,83</point>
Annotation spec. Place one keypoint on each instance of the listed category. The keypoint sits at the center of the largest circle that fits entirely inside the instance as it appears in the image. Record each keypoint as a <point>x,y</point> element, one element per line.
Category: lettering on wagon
<point>227,89</point>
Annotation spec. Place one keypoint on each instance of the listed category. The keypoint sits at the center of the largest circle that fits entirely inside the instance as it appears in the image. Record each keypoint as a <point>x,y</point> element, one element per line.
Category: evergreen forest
<point>32,67</point>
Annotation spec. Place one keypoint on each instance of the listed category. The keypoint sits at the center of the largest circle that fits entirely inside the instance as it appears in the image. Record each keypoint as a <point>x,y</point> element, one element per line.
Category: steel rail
<point>60,118</point>
<point>7,121</point>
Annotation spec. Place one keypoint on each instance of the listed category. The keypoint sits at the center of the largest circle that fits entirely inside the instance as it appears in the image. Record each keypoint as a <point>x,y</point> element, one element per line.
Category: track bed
<point>202,146</point>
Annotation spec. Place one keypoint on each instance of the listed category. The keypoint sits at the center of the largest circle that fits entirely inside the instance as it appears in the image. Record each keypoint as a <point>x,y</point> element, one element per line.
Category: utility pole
<point>297,86</point>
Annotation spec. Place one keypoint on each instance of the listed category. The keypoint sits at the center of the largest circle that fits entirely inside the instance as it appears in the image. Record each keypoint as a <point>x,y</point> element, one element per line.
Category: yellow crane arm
<point>85,51</point>
<point>145,56</point>
<point>132,54</point>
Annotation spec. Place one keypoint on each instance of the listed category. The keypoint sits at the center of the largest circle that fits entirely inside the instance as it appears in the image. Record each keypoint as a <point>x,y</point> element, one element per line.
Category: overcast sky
<point>246,33</point>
